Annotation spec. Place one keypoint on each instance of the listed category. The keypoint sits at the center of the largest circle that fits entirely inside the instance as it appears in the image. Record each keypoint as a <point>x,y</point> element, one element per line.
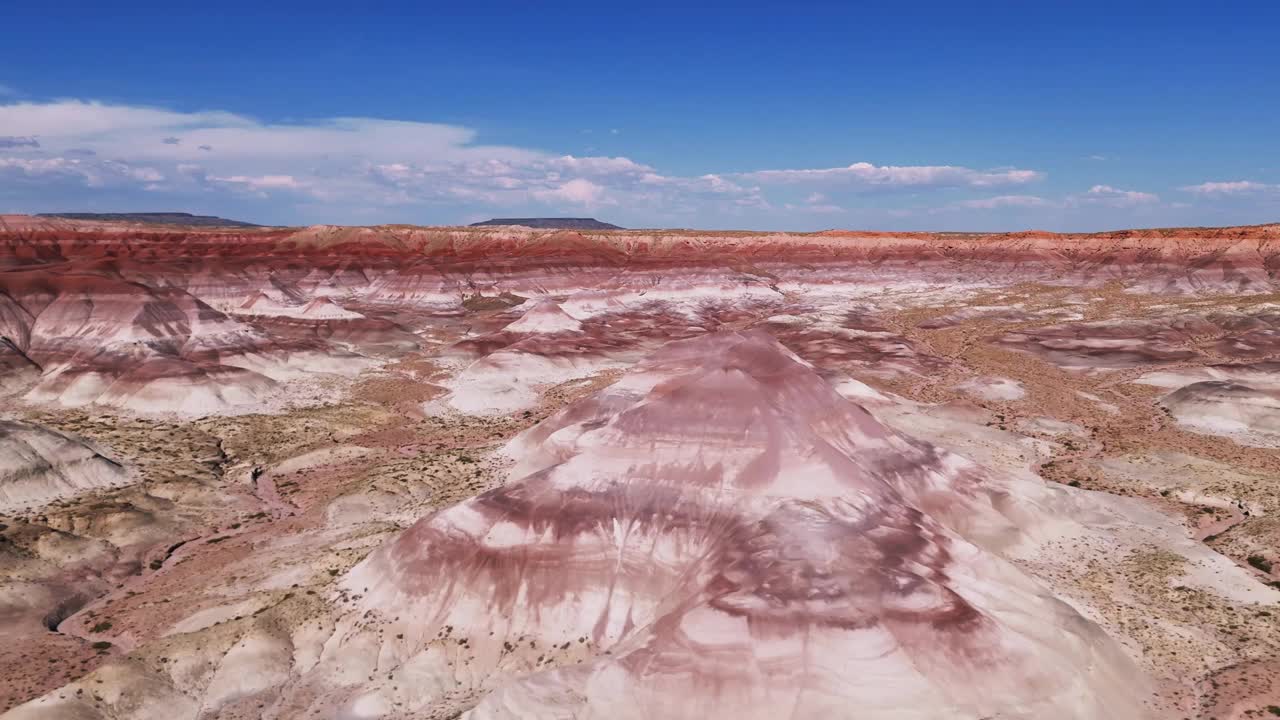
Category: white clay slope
<point>545,317</point>
<point>1248,414</point>
<point>720,534</point>
<point>38,465</point>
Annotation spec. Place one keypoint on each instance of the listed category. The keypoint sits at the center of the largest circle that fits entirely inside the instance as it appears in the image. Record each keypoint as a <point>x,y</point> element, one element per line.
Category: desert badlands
<point>513,472</point>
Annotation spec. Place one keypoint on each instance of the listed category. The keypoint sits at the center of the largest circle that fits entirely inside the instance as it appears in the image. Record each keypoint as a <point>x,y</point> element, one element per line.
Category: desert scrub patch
<point>1160,563</point>
<point>1260,563</point>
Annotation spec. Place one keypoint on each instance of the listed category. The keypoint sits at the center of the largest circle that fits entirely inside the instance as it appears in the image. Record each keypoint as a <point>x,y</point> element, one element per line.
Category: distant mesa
<point>156,218</point>
<point>552,223</point>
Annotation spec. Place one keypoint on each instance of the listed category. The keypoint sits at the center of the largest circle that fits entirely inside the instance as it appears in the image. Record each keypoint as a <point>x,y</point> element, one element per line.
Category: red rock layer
<point>95,312</point>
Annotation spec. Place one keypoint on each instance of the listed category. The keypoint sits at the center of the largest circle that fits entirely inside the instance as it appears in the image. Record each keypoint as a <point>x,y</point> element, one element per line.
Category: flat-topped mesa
<point>155,218</point>
<point>721,534</point>
<point>562,223</point>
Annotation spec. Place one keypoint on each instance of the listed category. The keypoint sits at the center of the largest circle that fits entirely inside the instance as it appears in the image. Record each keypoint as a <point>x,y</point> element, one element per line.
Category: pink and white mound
<point>1259,374</point>
<point>994,389</point>
<point>82,340</point>
<point>262,304</point>
<point>1249,415</point>
<point>38,465</point>
<point>721,534</point>
<point>842,339</point>
<point>511,379</point>
<point>136,377</point>
<point>1111,345</point>
<point>323,308</point>
<point>538,349</point>
<point>687,291</point>
<point>545,317</point>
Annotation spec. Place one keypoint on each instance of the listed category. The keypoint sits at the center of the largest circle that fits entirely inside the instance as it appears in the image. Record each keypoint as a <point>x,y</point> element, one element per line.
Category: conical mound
<point>720,534</point>
<point>545,317</point>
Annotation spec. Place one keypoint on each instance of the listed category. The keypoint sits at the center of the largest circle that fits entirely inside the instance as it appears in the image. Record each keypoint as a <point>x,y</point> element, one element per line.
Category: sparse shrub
<point>1260,563</point>
<point>103,626</point>
<point>101,645</point>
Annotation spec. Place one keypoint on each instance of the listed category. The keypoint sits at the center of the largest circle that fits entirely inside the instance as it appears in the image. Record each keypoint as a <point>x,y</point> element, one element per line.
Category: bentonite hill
<point>511,472</point>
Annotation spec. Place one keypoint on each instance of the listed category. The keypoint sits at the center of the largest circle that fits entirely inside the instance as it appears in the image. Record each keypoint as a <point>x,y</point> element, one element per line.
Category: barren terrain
<point>502,472</point>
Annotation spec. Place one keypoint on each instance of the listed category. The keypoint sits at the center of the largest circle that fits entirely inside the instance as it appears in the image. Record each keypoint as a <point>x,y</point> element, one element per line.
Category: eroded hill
<point>416,472</point>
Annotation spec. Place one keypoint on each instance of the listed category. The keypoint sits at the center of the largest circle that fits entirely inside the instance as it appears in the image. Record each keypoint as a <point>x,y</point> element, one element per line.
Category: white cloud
<point>578,191</point>
<point>805,207</point>
<point>913,176</point>
<point>65,118</point>
<point>349,163</point>
<point>143,174</point>
<point>1235,187</point>
<point>261,182</point>
<point>88,171</point>
<point>140,133</point>
<point>1007,201</point>
<point>9,142</point>
<point>1113,197</point>
<point>815,202</point>
<point>597,165</point>
<point>1095,197</point>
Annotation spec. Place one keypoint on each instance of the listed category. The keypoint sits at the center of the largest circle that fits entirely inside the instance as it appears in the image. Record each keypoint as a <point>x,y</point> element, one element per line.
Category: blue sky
<point>994,116</point>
